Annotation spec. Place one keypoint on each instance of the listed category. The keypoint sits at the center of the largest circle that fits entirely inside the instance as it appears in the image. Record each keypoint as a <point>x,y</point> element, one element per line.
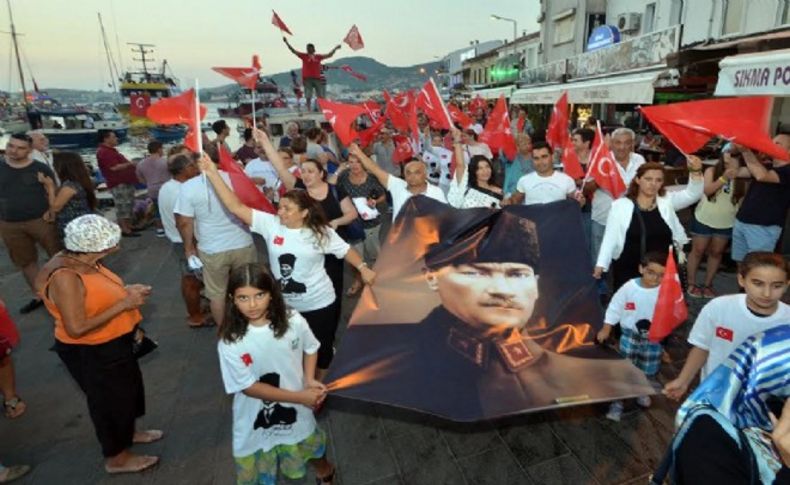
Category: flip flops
<point>148,436</point>
<point>14,407</point>
<point>14,472</point>
<point>134,465</point>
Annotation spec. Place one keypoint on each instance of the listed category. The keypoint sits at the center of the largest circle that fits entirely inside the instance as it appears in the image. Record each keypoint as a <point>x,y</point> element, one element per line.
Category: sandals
<point>14,407</point>
<point>14,472</point>
<point>134,465</point>
<point>208,322</point>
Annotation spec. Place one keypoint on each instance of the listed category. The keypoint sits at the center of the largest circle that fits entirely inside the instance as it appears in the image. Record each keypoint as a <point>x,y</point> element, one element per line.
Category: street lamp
<point>515,24</point>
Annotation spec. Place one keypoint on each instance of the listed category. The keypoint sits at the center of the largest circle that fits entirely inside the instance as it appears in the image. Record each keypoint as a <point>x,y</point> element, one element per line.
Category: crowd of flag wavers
<point>320,200</point>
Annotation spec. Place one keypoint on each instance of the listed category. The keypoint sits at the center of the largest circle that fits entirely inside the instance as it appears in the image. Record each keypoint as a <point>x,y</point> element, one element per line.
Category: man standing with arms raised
<point>23,203</point>
<point>311,71</point>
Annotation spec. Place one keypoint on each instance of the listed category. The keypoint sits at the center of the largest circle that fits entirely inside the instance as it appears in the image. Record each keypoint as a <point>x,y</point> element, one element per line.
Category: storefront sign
<point>603,36</point>
<point>753,74</point>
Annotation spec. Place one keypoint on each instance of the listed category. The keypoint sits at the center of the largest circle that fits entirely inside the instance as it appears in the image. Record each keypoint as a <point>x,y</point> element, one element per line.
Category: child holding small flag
<point>632,307</point>
<point>725,322</point>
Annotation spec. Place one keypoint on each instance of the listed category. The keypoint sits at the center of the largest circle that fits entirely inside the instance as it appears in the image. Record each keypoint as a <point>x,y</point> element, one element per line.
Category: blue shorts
<point>747,238</point>
<point>702,230</point>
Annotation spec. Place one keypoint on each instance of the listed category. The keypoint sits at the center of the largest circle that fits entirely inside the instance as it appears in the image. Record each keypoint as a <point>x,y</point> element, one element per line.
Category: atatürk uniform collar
<point>510,349</point>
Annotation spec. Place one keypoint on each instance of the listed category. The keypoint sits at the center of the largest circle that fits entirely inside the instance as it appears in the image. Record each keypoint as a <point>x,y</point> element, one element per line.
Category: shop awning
<point>755,74</point>
<point>636,88</point>
<point>495,93</point>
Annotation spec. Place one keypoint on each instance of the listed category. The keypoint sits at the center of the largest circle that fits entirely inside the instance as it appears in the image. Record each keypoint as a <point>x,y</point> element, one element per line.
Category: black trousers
<point>110,377</point>
<point>323,323</point>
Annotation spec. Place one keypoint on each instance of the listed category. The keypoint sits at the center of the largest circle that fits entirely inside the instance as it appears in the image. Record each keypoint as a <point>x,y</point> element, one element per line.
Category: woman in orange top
<point>95,320</point>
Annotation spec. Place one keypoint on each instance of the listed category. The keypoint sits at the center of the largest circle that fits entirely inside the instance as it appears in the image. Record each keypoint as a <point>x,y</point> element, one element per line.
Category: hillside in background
<point>379,77</point>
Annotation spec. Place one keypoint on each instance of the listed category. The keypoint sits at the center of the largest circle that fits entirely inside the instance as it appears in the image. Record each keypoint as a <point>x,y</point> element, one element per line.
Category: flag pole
<point>592,154</point>
<point>252,93</point>
<point>199,135</point>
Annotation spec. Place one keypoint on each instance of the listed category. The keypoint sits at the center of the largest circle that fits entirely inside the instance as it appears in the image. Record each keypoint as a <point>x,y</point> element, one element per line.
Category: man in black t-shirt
<point>23,204</point>
<point>761,217</point>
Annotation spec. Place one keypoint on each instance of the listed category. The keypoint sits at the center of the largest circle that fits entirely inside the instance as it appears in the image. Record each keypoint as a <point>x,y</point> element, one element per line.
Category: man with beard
<point>472,356</point>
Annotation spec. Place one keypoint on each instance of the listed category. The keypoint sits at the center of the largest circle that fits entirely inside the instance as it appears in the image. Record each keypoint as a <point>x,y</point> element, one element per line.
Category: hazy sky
<point>63,47</point>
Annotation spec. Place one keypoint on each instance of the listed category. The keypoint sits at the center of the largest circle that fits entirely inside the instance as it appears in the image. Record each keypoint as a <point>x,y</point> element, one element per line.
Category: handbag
<point>353,232</point>
<point>141,344</point>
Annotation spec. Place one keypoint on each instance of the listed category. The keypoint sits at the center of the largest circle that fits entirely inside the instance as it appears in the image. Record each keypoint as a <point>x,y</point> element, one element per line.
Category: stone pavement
<point>371,444</point>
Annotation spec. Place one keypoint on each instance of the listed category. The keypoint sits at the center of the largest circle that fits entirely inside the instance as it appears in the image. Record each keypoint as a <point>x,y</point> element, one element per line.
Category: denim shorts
<point>747,238</point>
<point>699,229</point>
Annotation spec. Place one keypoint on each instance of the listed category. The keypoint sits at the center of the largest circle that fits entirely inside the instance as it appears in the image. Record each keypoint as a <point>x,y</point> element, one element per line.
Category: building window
<point>784,18</point>
<point>676,12</point>
<point>564,26</point>
<point>731,17</point>
<point>650,18</point>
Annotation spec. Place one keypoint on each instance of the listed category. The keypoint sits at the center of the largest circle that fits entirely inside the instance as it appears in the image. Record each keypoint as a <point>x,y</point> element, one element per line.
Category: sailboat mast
<point>110,62</point>
<point>16,52</point>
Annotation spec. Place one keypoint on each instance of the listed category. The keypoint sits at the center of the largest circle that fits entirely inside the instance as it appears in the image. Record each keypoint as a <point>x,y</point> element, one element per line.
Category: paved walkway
<point>371,444</point>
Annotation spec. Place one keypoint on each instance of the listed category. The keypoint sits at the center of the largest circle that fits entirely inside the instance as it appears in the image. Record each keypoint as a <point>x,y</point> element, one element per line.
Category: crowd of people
<point>278,311</point>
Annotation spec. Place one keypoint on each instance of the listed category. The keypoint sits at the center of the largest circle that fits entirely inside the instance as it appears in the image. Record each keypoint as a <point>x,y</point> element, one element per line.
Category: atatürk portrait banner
<point>482,313</point>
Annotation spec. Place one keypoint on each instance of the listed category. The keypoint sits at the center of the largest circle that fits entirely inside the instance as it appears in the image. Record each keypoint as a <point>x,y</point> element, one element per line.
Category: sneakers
<point>31,305</point>
<point>644,401</point>
<point>160,233</point>
<point>615,411</point>
<point>695,291</point>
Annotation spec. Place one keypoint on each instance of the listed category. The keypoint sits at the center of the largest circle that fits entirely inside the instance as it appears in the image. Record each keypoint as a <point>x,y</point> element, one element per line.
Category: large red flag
<point>245,189</point>
<point>570,160</point>
<point>603,167</point>
<point>245,76</point>
<point>497,133</point>
<point>138,104</point>
<point>278,22</point>
<point>397,110</point>
<point>179,110</point>
<point>256,62</point>
<point>671,308</point>
<point>459,116</point>
<point>341,117</point>
<point>690,125</point>
<point>430,102</point>
<point>354,39</point>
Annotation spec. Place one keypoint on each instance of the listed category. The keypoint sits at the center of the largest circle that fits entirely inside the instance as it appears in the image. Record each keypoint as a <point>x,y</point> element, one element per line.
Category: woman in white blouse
<point>645,220</point>
<point>477,190</point>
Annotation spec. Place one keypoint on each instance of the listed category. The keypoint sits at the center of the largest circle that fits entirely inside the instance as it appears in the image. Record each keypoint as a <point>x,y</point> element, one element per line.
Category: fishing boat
<point>142,87</point>
<point>267,95</point>
<point>72,128</point>
<point>168,133</point>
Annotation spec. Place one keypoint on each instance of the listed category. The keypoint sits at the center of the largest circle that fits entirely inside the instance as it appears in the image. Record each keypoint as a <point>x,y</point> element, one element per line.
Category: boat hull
<point>168,134</point>
<point>66,139</point>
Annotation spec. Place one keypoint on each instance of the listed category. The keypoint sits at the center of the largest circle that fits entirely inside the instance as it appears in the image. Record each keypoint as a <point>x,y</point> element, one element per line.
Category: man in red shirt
<point>311,71</point>
<point>120,175</point>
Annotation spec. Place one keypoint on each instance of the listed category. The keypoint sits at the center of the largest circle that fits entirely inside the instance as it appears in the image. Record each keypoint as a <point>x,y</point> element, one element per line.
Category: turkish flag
<point>397,110</point>
<point>570,160</point>
<point>373,109</point>
<point>477,103</point>
<point>354,39</point>
<point>557,130</point>
<point>430,102</point>
<point>245,189</point>
<point>671,308</point>
<point>180,110</point>
<point>366,136</point>
<point>690,125</point>
<point>358,75</point>
<point>341,117</point>
<point>725,333</point>
<point>459,116</point>
<point>497,133</point>
<point>138,104</point>
<point>603,168</point>
<point>245,76</point>
<point>404,150</point>
<point>277,22</point>
<point>520,122</point>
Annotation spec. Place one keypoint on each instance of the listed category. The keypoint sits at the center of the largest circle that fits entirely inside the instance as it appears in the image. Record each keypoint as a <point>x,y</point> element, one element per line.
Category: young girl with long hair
<point>268,356</point>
